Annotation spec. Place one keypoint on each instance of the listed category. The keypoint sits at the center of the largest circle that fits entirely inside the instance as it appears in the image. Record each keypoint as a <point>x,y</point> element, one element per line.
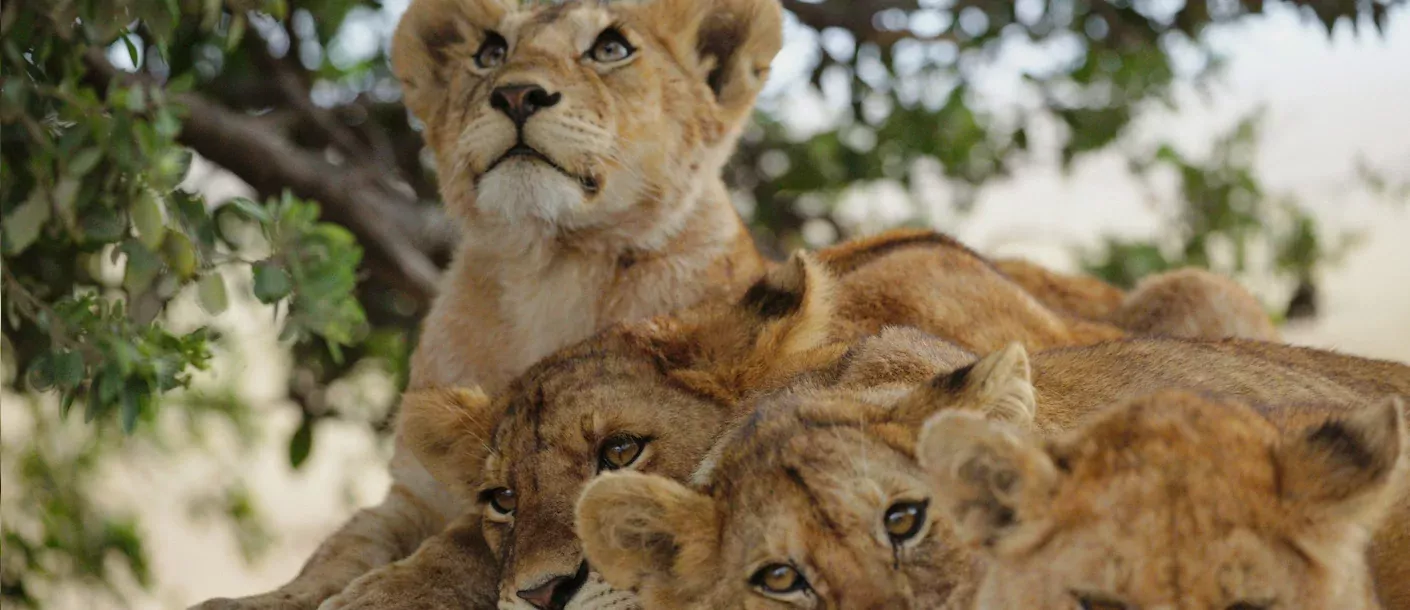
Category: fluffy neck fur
<point>517,293</point>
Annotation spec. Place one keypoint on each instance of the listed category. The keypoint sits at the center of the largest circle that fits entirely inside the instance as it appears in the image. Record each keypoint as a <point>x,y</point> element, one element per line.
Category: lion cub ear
<point>448,430</point>
<point>1348,468</point>
<point>430,36</point>
<point>794,302</point>
<point>781,326</point>
<point>989,477</point>
<point>999,386</point>
<point>644,531</point>
<point>729,43</point>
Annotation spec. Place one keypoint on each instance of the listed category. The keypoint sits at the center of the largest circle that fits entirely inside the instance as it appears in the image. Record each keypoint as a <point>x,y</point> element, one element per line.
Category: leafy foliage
<point>98,239</point>
<point>1225,220</point>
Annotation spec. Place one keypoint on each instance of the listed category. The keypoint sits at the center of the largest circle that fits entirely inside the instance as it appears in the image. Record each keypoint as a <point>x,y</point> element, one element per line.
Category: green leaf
<point>249,209</point>
<point>132,399</point>
<point>131,50</point>
<point>271,282</point>
<point>180,255</point>
<point>211,293</point>
<point>301,444</point>
<point>142,267</point>
<point>102,225</point>
<point>68,369</point>
<point>23,225</point>
<point>66,403</point>
<point>66,192</point>
<point>41,372</point>
<point>84,161</point>
<point>148,219</point>
<point>236,32</point>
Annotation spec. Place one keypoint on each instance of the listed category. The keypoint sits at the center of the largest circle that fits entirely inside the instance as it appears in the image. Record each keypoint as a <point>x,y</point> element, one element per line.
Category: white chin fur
<point>522,189</point>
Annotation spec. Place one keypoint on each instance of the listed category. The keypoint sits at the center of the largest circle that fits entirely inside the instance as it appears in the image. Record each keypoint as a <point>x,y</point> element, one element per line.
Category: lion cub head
<point>1175,500</point>
<point>581,114</point>
<point>817,500</point>
<point>648,397</point>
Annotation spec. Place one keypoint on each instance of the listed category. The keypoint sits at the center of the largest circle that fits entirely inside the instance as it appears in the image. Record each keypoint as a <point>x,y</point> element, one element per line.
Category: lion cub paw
<point>393,587</point>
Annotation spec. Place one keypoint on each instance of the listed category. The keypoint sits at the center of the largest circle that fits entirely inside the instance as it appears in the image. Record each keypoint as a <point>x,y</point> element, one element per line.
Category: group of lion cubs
<point>616,402</point>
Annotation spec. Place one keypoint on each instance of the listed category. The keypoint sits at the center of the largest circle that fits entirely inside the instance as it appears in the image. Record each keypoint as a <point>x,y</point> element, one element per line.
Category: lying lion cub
<point>1173,500</point>
<point>817,499</point>
<point>655,396</point>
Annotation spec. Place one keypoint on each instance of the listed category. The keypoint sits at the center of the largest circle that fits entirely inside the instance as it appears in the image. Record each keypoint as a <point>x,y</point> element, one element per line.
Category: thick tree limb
<point>387,223</point>
<point>855,16</point>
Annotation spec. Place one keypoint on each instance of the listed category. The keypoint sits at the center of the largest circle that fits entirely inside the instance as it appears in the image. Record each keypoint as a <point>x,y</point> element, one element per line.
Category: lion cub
<point>1173,500</point>
<point>817,498</point>
<point>581,145</point>
<point>655,395</point>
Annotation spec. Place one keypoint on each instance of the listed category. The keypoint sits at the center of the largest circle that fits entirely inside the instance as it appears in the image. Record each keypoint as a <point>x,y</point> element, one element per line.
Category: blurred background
<point>220,227</point>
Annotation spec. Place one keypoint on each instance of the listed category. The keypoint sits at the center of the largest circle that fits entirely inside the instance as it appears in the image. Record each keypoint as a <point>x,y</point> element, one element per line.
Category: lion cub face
<point>650,397</point>
<point>1171,501</point>
<point>573,113</point>
<point>817,500</point>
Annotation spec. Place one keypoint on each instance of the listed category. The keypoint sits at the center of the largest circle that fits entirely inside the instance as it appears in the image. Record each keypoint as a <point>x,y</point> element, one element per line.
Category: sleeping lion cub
<point>817,499</point>
<point>1174,500</point>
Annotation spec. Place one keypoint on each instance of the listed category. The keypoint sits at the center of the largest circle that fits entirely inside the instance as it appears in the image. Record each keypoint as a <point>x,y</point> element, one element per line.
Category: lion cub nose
<point>519,102</point>
<point>554,594</point>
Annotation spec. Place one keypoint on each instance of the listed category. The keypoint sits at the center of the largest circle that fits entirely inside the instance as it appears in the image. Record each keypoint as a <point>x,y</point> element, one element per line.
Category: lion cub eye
<point>778,579</point>
<point>492,51</point>
<point>502,500</point>
<point>903,520</point>
<point>611,46</point>
<point>620,451</point>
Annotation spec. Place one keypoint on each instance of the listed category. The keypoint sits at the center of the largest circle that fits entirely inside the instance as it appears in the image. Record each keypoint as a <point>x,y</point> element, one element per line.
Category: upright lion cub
<point>581,146</point>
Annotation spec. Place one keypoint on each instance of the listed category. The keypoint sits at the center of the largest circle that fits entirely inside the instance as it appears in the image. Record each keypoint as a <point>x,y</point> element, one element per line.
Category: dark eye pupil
<point>904,520</point>
<point>503,500</point>
<point>779,578</point>
<point>611,46</point>
<point>492,52</point>
<point>620,452</point>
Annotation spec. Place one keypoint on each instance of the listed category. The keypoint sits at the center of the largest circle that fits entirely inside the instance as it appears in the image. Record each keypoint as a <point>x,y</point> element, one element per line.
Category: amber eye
<point>502,500</point>
<point>492,51</point>
<point>903,520</point>
<point>1097,603</point>
<point>620,451</point>
<point>611,46</point>
<point>778,578</point>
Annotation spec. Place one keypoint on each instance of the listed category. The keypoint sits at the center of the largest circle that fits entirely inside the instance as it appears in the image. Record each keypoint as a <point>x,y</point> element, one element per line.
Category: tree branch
<point>386,222</point>
<point>855,16</point>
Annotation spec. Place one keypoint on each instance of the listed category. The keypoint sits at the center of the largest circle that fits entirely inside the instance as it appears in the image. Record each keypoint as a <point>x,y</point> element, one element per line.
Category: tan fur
<point>679,380</point>
<point>1194,304</point>
<point>637,222</point>
<point>1085,297</point>
<point>809,476</point>
<point>1173,500</point>
<point>1187,303</point>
